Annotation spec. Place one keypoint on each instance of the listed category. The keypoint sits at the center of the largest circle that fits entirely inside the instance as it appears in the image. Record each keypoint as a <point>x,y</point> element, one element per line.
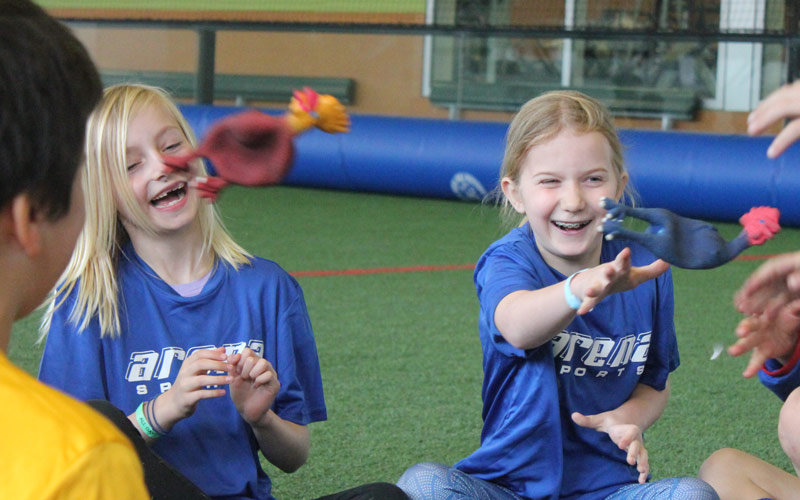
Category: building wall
<point>387,68</point>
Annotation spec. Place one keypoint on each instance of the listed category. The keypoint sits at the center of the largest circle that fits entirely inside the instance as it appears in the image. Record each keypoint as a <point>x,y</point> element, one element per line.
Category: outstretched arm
<point>529,318</point>
<point>625,424</point>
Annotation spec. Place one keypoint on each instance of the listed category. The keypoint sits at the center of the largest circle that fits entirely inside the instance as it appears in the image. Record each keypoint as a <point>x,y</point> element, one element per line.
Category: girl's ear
<point>511,191</point>
<point>24,225</point>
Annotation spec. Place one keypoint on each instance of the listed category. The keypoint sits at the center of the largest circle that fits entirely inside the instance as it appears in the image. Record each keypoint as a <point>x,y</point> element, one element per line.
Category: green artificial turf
<point>400,354</point>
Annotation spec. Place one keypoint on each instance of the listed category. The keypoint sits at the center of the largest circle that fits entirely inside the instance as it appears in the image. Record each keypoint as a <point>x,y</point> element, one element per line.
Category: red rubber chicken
<point>252,148</point>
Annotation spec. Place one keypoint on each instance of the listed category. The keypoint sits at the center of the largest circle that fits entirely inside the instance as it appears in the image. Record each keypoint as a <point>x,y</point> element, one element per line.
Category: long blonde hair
<point>544,117</point>
<point>93,266</point>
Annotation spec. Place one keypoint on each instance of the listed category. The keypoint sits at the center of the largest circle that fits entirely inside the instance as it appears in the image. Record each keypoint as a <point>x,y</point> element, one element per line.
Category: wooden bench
<point>639,102</point>
<point>236,87</point>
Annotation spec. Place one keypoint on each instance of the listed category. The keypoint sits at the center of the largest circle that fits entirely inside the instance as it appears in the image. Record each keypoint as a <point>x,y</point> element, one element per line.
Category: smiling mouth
<point>571,226</point>
<point>171,197</point>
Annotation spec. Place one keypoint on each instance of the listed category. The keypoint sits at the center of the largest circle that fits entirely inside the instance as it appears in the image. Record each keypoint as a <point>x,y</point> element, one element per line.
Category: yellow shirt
<point>54,447</point>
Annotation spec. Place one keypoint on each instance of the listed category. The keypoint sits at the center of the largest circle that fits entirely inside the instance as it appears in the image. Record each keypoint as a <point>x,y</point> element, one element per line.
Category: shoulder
<point>53,435</point>
<point>259,268</point>
<point>517,243</point>
<point>47,410</point>
<point>260,274</point>
<point>514,251</point>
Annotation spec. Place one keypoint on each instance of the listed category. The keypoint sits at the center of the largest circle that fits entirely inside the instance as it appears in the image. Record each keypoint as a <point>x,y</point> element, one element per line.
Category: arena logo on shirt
<point>148,366</point>
<point>581,354</point>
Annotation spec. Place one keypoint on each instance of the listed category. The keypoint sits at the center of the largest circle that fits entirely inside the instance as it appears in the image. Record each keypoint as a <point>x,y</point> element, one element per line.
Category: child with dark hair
<point>54,446</point>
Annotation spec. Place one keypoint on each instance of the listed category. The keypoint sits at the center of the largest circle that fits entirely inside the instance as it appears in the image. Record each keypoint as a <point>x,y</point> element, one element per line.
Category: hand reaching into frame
<point>772,334</point>
<point>775,284</point>
<point>782,104</point>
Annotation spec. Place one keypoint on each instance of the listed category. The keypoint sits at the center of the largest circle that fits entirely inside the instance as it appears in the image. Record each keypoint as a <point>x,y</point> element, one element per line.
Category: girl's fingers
<point>207,365</point>
<point>755,363</point>
<point>643,467</point>
<point>633,451</point>
<point>198,382</point>
<point>784,139</point>
<point>208,394</point>
<point>263,379</point>
<point>259,367</point>
<point>247,367</point>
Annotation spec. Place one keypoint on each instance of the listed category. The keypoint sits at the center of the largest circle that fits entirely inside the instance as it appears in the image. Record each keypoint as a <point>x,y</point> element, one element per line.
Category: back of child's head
<point>48,87</point>
<point>544,117</point>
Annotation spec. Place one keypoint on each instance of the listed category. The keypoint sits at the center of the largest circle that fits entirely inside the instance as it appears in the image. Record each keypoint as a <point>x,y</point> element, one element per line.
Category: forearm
<point>644,406</point>
<point>283,443</point>
<point>530,318</point>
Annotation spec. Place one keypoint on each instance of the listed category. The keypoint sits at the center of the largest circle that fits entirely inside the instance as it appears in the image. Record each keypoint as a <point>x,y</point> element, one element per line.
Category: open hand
<point>616,276</point>
<point>769,335</point>
<point>628,437</point>
<point>771,287</point>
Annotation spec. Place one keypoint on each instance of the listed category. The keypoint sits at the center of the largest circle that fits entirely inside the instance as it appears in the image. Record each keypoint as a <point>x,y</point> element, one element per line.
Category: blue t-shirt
<point>259,306</point>
<point>529,443</point>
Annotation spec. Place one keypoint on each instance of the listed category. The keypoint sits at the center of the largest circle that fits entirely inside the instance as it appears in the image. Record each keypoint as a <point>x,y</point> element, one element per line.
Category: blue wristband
<point>572,300</point>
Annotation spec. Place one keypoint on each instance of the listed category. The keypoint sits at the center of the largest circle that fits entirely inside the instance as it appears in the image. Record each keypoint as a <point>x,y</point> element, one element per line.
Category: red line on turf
<point>416,269</point>
<point>755,257</point>
<point>382,270</point>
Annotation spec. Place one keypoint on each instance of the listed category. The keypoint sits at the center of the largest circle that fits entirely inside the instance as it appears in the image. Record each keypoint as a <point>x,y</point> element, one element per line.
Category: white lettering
<point>575,340</point>
<point>199,348</point>
<point>236,348</point>
<point>257,346</point>
<point>168,355</point>
<point>146,366</point>
<point>142,366</point>
<point>642,348</point>
<point>602,352</point>
<point>624,350</point>
<point>599,352</point>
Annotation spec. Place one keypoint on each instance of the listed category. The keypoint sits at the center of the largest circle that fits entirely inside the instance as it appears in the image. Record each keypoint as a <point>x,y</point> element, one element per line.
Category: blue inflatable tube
<point>707,176</point>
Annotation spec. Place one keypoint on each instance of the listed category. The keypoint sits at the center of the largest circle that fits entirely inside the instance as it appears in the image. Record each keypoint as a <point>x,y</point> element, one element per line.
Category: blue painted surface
<point>708,176</point>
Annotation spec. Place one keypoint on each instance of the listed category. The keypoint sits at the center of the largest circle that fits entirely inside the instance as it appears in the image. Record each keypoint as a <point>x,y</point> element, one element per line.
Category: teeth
<point>573,225</point>
<point>163,195</point>
<point>176,200</point>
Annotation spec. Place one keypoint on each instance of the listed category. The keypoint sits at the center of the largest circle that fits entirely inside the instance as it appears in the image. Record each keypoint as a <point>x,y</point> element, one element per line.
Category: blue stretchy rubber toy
<point>685,242</point>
